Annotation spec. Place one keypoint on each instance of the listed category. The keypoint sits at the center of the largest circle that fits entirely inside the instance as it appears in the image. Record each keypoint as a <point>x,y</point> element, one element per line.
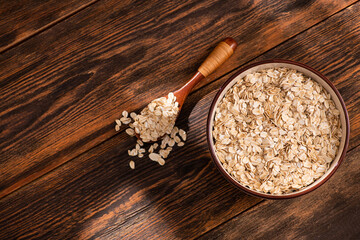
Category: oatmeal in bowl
<point>278,129</point>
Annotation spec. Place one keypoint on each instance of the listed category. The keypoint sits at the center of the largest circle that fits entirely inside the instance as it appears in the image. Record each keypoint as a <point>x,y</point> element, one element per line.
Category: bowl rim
<point>259,194</point>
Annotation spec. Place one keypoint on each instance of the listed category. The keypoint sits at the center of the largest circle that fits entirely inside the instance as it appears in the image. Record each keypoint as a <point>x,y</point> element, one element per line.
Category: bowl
<point>307,71</point>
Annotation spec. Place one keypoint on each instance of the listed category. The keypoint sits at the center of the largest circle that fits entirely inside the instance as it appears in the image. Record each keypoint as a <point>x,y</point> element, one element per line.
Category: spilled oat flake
<point>156,120</point>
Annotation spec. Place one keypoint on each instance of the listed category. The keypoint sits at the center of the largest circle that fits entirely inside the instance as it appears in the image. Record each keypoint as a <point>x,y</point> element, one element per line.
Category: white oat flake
<point>118,122</point>
<point>132,164</point>
<point>156,120</point>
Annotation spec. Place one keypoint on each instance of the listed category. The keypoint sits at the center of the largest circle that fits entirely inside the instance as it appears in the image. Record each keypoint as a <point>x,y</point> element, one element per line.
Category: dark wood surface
<point>73,79</point>
<point>64,170</point>
<point>21,19</point>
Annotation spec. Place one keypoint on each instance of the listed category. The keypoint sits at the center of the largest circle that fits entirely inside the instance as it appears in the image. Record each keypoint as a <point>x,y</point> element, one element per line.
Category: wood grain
<point>21,19</point>
<point>62,89</point>
<point>97,195</point>
<point>332,212</point>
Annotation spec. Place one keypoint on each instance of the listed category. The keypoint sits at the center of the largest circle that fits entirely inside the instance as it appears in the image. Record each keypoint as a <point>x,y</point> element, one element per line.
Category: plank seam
<point>253,206</point>
<point>270,49</point>
<point>249,208</point>
<point>47,26</point>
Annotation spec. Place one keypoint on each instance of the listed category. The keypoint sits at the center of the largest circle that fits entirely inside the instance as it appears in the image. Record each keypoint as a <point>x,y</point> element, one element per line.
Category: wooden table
<point>68,69</point>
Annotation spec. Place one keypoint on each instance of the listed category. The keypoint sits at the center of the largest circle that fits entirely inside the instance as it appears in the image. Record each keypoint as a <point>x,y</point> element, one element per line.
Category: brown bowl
<point>316,76</point>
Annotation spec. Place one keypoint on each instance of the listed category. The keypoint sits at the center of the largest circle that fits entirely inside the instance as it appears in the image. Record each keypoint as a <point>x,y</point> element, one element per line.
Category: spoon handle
<point>218,56</point>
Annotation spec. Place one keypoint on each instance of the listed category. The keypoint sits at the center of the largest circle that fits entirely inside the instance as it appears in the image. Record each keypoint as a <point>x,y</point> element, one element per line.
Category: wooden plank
<point>21,19</point>
<point>332,212</point>
<point>97,195</point>
<point>62,89</point>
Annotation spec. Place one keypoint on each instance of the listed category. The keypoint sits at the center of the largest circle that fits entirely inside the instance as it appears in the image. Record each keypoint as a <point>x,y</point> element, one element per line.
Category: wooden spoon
<point>217,57</point>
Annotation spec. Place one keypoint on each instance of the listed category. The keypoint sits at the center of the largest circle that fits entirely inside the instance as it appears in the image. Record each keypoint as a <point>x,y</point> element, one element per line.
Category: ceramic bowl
<point>316,76</point>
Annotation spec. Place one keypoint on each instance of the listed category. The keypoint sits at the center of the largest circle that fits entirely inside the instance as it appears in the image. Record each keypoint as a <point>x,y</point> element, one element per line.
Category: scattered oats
<point>156,120</point>
<point>140,142</point>
<point>151,149</point>
<point>182,134</point>
<point>163,153</point>
<point>132,152</point>
<point>137,130</point>
<point>174,131</point>
<point>276,131</point>
<point>125,120</point>
<point>132,164</point>
<point>133,115</point>
<point>177,139</point>
<point>171,142</point>
<point>180,144</point>
<point>165,141</point>
<point>130,132</point>
<point>161,161</point>
<point>125,114</point>
<point>154,156</point>
<point>118,122</point>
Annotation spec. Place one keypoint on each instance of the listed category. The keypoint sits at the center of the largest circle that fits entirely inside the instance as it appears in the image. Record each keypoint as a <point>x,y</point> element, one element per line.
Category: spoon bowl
<point>216,58</point>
